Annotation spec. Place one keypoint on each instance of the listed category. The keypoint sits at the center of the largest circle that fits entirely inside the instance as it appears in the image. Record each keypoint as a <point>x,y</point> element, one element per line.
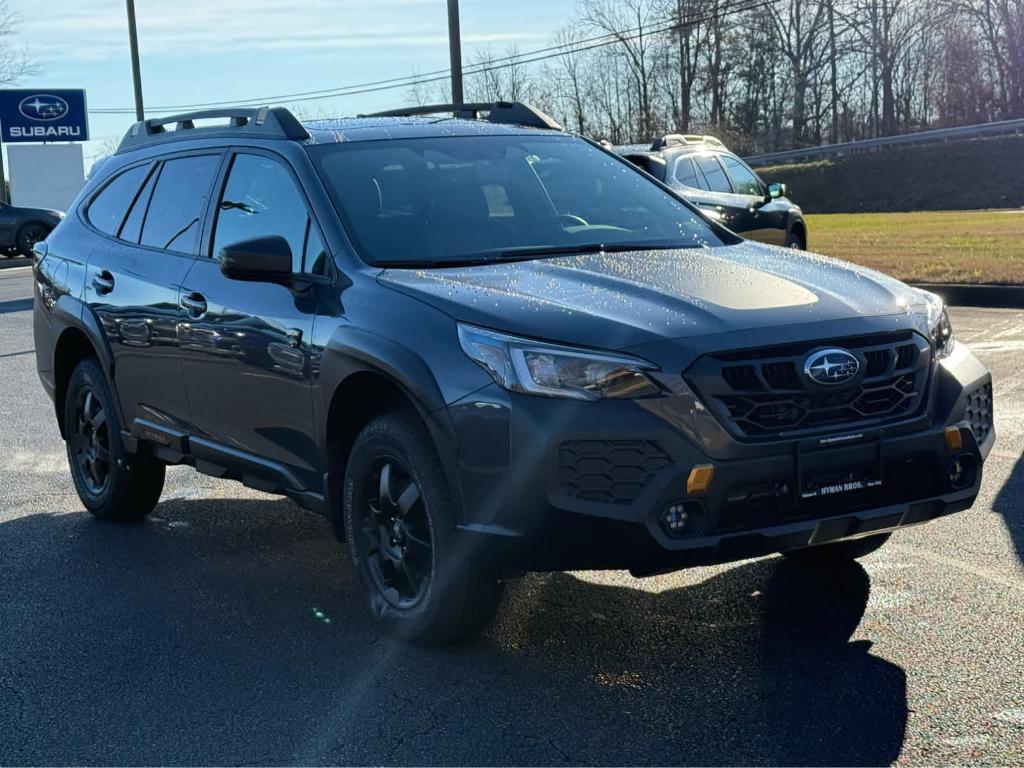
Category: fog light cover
<point>963,470</point>
<point>683,518</point>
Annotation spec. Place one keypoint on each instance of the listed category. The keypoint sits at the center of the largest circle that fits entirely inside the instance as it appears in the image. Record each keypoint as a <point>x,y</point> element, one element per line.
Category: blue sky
<point>209,50</point>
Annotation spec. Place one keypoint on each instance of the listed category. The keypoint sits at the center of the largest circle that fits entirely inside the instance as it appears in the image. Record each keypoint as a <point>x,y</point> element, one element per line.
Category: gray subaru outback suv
<point>479,346</point>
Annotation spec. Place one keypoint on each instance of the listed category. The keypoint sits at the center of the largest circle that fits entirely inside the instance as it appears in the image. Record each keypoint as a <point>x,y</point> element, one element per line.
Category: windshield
<point>446,200</point>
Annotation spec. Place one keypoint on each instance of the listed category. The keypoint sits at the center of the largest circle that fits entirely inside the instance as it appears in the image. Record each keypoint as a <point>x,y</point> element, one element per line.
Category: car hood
<point>621,300</point>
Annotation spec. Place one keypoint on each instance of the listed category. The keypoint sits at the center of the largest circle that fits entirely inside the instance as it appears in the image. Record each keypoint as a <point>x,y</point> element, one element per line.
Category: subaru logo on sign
<point>43,107</point>
<point>831,366</point>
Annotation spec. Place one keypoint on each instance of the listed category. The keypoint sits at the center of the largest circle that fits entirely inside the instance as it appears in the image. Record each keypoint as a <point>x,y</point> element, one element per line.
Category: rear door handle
<point>103,282</point>
<point>194,303</point>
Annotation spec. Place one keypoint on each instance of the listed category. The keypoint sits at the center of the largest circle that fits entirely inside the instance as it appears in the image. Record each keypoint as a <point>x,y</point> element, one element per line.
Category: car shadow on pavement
<point>1009,502</point>
<point>231,631</point>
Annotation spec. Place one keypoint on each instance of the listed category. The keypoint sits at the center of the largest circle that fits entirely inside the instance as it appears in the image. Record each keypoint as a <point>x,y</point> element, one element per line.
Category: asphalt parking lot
<point>226,629</point>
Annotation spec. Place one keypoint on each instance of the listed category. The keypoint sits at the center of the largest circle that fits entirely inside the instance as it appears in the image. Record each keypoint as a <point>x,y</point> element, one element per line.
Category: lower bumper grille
<point>609,471</point>
<point>979,412</point>
<point>765,393</point>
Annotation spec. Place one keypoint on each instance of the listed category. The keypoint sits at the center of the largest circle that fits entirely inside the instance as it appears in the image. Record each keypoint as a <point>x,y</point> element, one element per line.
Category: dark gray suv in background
<point>480,346</point>
<point>723,187</point>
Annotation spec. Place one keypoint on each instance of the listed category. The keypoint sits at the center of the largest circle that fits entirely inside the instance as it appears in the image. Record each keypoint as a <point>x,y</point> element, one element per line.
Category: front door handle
<point>103,282</point>
<point>194,304</point>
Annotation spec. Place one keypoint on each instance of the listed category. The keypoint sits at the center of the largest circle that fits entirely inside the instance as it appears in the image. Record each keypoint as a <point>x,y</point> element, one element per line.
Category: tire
<point>29,235</point>
<point>839,552</point>
<point>112,484</point>
<point>419,583</point>
<point>796,241</point>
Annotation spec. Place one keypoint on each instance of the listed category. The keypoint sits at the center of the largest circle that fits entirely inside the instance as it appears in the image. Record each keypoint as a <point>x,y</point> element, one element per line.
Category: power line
<point>528,57</point>
<point>402,81</point>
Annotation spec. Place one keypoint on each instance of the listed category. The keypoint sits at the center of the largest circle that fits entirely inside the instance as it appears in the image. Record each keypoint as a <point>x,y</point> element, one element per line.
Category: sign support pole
<point>455,50</point>
<point>133,40</point>
<point>3,180</point>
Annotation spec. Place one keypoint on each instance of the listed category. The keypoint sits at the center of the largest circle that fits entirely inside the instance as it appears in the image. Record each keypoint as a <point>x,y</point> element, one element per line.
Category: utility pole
<point>455,49</point>
<point>133,39</point>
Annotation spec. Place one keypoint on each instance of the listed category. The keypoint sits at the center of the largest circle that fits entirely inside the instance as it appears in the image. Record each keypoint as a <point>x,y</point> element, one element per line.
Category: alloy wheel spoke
<point>408,498</point>
<point>94,470</point>
<point>408,576</point>
<point>386,497</point>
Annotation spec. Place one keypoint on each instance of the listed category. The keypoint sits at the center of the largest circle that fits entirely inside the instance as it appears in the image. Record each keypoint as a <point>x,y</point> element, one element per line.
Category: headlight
<point>524,365</point>
<point>933,320</point>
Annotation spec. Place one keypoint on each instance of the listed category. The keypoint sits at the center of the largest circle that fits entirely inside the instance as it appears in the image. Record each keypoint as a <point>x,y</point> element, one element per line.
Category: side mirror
<point>264,259</point>
<point>776,191</point>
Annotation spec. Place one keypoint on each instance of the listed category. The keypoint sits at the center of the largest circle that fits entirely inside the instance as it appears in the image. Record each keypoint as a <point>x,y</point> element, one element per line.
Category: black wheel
<point>112,484</point>
<point>795,240</point>
<point>29,235</point>
<point>839,552</point>
<point>400,526</point>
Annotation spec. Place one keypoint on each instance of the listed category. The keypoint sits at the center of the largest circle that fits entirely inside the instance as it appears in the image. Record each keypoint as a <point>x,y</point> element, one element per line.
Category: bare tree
<point>629,23</point>
<point>15,62</point>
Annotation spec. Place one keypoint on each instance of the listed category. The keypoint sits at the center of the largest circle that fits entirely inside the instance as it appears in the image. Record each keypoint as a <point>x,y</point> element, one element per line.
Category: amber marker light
<point>700,479</point>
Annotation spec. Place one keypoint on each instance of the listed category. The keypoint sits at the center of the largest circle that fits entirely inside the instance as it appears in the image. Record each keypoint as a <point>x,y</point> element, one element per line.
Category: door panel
<point>246,344</point>
<point>246,365</point>
<point>751,217</point>
<point>135,297</point>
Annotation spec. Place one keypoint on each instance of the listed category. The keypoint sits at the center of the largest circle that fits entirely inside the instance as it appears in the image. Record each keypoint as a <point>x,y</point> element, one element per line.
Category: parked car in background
<point>21,228</point>
<point>725,188</point>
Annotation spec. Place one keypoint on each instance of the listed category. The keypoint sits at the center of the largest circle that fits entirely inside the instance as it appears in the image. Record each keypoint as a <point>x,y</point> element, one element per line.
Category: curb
<point>967,295</point>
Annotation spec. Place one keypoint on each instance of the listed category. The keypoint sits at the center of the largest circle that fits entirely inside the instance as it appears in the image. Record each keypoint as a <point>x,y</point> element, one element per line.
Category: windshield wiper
<point>559,250</point>
<point>526,252</point>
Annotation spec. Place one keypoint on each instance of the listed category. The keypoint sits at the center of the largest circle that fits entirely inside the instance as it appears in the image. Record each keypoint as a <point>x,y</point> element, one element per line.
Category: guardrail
<point>935,134</point>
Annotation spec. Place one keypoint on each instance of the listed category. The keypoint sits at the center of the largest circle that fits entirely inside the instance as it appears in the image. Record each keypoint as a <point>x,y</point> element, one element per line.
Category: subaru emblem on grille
<point>831,366</point>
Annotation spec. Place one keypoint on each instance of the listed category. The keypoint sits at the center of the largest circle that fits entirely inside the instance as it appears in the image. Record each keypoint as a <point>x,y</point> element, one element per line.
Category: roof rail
<point>262,122</point>
<point>508,112</point>
<point>683,140</point>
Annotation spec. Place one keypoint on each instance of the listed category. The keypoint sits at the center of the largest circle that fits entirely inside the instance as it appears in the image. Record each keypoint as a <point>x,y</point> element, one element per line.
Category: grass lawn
<point>931,246</point>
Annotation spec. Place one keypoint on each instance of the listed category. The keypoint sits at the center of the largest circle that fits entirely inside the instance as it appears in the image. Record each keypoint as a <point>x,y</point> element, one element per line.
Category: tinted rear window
<point>179,200</point>
<point>107,210</point>
<point>446,199</point>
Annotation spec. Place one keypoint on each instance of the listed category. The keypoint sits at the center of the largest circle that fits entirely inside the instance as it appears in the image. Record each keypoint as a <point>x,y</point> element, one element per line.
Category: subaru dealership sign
<point>43,115</point>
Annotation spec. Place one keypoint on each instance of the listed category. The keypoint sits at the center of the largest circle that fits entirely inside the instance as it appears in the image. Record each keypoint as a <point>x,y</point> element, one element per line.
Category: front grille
<point>764,393</point>
<point>979,412</point>
<point>609,471</point>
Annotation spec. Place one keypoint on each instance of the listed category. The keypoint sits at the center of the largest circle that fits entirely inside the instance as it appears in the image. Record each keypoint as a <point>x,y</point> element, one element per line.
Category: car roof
<point>346,129</point>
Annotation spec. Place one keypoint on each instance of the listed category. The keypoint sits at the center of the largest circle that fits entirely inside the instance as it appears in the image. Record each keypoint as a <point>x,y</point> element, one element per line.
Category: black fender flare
<point>71,313</point>
<point>352,350</point>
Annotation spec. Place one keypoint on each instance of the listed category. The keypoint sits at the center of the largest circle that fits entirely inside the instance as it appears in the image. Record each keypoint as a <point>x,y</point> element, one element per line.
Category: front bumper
<point>523,509</point>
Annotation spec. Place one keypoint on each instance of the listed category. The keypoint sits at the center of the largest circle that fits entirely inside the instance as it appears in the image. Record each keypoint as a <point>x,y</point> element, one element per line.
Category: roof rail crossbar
<point>507,112</point>
<point>264,122</point>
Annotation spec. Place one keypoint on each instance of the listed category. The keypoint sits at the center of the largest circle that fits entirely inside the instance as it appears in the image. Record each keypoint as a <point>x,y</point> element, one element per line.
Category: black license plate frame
<point>825,456</point>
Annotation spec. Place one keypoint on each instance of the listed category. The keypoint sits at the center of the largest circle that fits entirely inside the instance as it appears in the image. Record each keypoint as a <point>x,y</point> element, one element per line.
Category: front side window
<point>714,173</point>
<point>260,200</point>
<point>743,179</point>
<point>107,210</point>
<point>442,200</point>
<point>174,218</point>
